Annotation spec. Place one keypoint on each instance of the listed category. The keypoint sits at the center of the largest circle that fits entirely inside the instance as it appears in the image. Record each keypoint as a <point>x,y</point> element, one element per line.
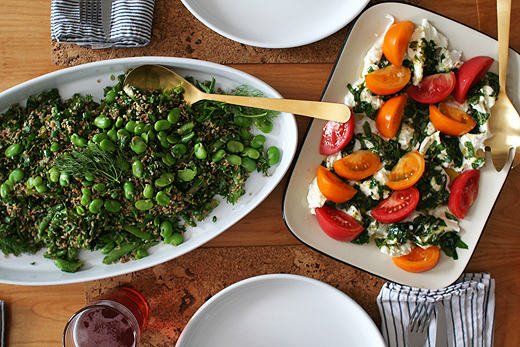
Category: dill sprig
<point>92,160</point>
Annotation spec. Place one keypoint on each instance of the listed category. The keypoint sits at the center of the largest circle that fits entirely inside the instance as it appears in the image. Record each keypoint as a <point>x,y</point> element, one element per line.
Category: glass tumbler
<point>115,319</point>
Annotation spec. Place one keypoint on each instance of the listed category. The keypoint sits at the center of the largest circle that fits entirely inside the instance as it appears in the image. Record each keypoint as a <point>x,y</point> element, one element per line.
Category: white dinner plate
<point>92,78</point>
<point>365,31</point>
<point>280,310</point>
<point>275,23</point>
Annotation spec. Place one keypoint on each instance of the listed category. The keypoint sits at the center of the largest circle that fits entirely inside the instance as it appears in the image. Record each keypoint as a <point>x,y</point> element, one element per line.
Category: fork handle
<point>503,23</point>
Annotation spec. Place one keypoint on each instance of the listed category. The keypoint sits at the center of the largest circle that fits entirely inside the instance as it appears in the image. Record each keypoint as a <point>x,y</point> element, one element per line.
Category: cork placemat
<point>177,33</point>
<point>175,290</point>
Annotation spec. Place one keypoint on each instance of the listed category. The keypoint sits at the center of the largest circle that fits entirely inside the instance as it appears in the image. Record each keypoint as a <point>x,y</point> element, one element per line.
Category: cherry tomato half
<point>333,187</point>
<point>398,206</point>
<point>388,120</point>
<point>407,171</point>
<point>450,120</point>
<point>396,41</point>
<point>335,136</point>
<point>338,224</point>
<point>464,191</point>
<point>433,89</point>
<point>419,259</point>
<point>388,80</point>
<point>358,165</point>
<point>469,74</point>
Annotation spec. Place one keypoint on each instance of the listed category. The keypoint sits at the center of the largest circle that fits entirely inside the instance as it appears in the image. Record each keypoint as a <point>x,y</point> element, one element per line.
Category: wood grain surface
<point>37,315</point>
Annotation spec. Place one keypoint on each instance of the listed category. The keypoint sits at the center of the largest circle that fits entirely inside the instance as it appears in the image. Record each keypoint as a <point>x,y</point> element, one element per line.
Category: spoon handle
<point>503,23</point>
<point>316,109</point>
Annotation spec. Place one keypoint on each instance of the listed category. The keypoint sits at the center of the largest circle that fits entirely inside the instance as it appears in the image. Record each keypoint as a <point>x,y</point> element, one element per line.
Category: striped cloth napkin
<point>131,24</point>
<point>469,304</point>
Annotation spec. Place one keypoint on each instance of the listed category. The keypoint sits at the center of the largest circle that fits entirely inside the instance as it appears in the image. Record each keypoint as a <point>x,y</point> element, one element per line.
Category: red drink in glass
<point>113,320</point>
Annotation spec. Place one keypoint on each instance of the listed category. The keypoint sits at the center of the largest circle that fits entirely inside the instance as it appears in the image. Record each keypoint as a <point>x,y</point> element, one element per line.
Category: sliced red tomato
<point>336,135</point>
<point>469,74</point>
<point>407,171</point>
<point>433,89</point>
<point>419,259</point>
<point>450,120</point>
<point>333,187</point>
<point>358,165</point>
<point>338,224</point>
<point>464,191</point>
<point>397,207</point>
<point>388,80</point>
<point>388,120</point>
<point>396,41</point>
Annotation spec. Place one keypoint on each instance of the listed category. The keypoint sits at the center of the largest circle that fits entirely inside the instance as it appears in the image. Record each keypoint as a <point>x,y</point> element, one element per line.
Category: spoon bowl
<point>151,76</point>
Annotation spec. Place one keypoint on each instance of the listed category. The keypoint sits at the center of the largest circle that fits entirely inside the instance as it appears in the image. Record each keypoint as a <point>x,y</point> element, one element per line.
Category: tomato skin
<point>388,80</point>
<point>398,206</point>
<point>388,120</point>
<point>358,165</point>
<point>338,224</point>
<point>419,259</point>
<point>469,74</point>
<point>450,120</point>
<point>407,171</point>
<point>333,187</point>
<point>433,89</point>
<point>335,136</point>
<point>464,191</point>
<point>396,41</point>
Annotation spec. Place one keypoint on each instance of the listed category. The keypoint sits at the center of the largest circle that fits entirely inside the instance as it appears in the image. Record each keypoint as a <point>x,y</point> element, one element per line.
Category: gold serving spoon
<point>159,77</point>
<point>504,121</point>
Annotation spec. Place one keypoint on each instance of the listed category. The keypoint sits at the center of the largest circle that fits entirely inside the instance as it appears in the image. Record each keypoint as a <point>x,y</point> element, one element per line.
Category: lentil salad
<point>122,175</point>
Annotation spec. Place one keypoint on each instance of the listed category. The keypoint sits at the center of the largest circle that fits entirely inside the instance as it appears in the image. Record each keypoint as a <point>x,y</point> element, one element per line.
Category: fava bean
<point>139,128</point>
<point>130,126</point>
<point>173,138</point>
<point>185,128</point>
<point>234,159</point>
<point>162,199</point>
<point>123,133</point>
<point>162,125</point>
<point>174,115</point>
<point>54,174</point>
<point>67,265</point>
<point>273,155</point>
<point>37,181</point>
<point>85,200</point>
<point>200,151</point>
<point>235,146</point>
<point>166,229</point>
<point>103,122</point>
<point>175,239</point>
<point>251,152</point>
<point>110,97</point>
<point>264,125</point>
<point>148,191</point>
<point>168,159</point>
<point>218,155</point>
<point>141,253</point>
<point>100,187</point>
<point>5,190</point>
<point>257,141</point>
<point>55,147</point>
<point>128,189</point>
<point>80,210</point>
<point>78,140</point>
<point>107,145</point>
<point>97,138</point>
<point>186,174</point>
<point>187,138</point>
<point>16,175</point>
<point>165,179</point>
<point>42,188</point>
<point>120,122</point>
<point>113,206</point>
<point>137,145</point>
<point>179,150</point>
<point>13,150</point>
<point>95,205</point>
<point>143,205</point>
<point>244,134</point>
<point>112,135</point>
<point>90,177</point>
<point>138,169</point>
<point>86,191</point>
<point>243,122</point>
<point>248,164</point>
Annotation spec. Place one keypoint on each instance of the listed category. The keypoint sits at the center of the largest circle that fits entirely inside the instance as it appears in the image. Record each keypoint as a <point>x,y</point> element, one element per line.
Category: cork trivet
<point>175,290</point>
<point>177,33</point>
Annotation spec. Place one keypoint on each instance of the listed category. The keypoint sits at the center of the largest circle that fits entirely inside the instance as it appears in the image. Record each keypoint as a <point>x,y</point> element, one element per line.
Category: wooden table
<point>36,315</point>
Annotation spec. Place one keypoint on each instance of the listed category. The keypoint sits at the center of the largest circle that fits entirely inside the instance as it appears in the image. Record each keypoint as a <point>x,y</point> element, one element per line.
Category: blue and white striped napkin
<point>469,304</point>
<point>131,24</point>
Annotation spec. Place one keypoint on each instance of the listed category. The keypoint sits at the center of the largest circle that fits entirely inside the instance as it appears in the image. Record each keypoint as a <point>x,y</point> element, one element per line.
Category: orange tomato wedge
<point>407,171</point>
<point>333,187</point>
<point>450,120</point>
<point>396,41</point>
<point>389,117</point>
<point>358,165</point>
<point>388,80</point>
<point>419,259</point>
